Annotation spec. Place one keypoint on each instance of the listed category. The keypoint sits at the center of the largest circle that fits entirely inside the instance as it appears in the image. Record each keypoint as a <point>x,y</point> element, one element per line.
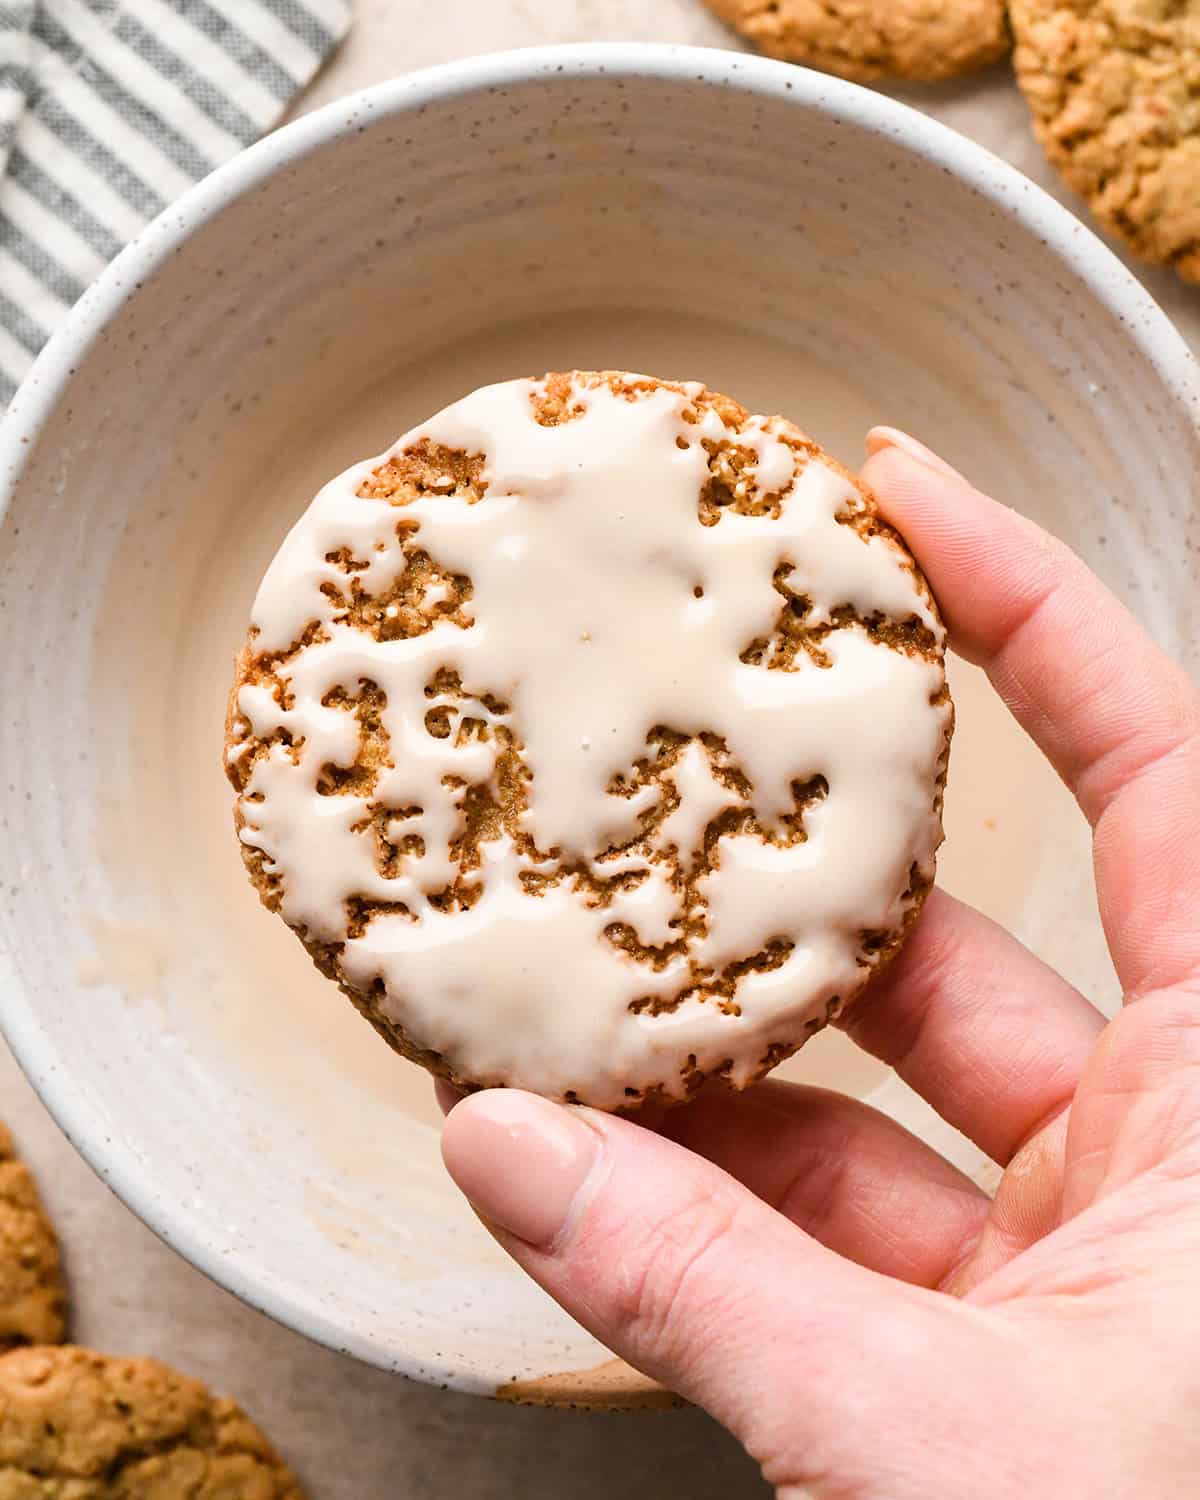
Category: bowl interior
<point>798,243</point>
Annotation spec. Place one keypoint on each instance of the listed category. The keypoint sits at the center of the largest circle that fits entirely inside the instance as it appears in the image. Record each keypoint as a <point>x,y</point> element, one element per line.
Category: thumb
<point>675,1266</point>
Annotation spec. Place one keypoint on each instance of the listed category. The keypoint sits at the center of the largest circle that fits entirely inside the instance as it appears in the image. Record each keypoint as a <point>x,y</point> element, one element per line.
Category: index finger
<point>1116,717</point>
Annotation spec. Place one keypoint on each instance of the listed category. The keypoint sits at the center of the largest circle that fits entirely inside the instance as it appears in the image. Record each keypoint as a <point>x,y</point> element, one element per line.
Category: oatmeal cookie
<point>1114,86</point>
<point>32,1294</point>
<point>865,40</point>
<point>76,1425</point>
<point>593,739</point>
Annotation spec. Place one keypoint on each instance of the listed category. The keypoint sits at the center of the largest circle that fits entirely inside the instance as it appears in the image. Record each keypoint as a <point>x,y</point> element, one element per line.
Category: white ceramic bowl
<point>803,243</point>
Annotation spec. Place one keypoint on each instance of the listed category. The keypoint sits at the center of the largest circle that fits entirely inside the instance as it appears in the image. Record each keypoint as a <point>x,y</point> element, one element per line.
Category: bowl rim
<point>1021,201</point>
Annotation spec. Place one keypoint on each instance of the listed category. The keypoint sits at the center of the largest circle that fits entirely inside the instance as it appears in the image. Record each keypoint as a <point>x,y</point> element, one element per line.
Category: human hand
<point>866,1321</point>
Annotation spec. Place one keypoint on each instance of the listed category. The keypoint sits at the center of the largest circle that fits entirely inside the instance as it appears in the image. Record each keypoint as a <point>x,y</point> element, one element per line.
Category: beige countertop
<point>353,1433</point>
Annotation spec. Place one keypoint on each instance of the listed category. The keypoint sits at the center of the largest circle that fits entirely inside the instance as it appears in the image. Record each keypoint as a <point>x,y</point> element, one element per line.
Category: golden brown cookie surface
<point>1114,86</point>
<point>76,1425</point>
<point>921,40</point>
<point>32,1295</point>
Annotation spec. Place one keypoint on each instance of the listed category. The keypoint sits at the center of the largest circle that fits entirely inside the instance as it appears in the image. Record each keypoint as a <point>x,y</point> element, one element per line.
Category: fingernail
<point>880,438</point>
<point>523,1162</point>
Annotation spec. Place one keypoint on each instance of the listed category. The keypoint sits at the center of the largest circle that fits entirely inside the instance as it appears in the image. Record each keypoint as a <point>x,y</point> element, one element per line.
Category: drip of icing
<point>601,609</point>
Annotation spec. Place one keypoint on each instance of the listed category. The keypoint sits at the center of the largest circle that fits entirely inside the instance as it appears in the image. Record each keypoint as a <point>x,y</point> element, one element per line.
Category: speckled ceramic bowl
<point>627,206</point>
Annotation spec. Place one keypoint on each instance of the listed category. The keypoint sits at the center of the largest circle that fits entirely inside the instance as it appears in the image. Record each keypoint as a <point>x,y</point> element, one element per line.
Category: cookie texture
<point>1114,86</point>
<point>920,40</point>
<point>593,739</point>
<point>76,1425</point>
<point>32,1294</point>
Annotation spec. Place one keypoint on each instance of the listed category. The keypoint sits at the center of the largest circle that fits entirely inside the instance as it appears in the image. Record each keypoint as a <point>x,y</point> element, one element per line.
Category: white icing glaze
<point>701,798</point>
<point>602,607</point>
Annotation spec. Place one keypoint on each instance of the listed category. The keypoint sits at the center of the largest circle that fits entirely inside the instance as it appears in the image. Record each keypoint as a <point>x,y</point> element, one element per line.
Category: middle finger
<point>844,1173</point>
<point>989,1035</point>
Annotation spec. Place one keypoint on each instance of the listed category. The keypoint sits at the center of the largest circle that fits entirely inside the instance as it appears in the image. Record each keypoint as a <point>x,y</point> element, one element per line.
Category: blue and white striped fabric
<point>111,108</point>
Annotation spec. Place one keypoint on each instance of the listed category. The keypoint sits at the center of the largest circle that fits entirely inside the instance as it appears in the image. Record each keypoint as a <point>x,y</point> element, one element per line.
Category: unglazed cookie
<point>1114,86</point>
<point>593,739</point>
<point>922,40</point>
<point>32,1296</point>
<point>75,1425</point>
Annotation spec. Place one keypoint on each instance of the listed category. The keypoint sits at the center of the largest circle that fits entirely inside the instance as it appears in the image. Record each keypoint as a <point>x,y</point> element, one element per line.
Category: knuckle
<point>683,1268</point>
<point>814,1191</point>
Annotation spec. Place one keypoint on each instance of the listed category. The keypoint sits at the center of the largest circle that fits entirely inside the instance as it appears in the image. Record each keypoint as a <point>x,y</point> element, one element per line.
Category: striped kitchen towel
<point>111,108</point>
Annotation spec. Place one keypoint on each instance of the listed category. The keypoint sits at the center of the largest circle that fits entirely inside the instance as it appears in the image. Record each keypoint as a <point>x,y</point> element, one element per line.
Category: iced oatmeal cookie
<point>592,739</point>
